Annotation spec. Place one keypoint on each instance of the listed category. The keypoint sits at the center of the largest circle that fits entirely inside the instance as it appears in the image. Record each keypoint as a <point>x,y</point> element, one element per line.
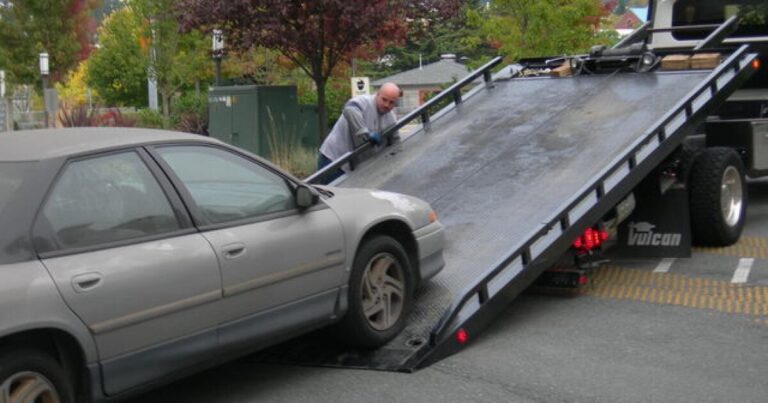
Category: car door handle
<point>86,282</point>
<point>233,250</point>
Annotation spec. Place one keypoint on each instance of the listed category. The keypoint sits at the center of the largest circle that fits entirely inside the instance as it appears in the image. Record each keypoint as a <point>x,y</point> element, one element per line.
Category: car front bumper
<point>430,240</point>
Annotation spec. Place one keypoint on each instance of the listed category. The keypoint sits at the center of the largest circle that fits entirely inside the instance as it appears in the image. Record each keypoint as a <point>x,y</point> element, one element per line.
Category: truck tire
<point>30,376</point>
<point>718,197</point>
<point>380,294</point>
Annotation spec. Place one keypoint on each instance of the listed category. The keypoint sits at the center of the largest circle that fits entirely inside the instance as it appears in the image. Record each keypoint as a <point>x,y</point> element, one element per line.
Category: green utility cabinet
<point>254,116</point>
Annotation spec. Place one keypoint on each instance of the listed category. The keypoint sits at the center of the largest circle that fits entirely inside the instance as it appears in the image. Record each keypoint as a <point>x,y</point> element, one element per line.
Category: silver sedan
<point>130,256</point>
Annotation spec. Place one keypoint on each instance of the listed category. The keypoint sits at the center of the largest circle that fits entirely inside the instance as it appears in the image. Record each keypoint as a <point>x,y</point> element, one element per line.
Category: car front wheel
<point>30,376</point>
<point>380,293</point>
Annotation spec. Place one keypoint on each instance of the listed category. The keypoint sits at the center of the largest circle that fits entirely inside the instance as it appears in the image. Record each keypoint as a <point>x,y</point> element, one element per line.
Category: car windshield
<point>12,175</point>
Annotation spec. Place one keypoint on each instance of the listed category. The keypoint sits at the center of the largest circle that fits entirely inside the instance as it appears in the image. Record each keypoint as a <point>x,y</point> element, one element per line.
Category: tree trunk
<point>166,108</point>
<point>320,82</point>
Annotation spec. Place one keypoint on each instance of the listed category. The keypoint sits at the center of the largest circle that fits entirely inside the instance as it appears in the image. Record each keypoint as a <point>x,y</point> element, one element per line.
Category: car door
<point>275,259</point>
<point>129,263</point>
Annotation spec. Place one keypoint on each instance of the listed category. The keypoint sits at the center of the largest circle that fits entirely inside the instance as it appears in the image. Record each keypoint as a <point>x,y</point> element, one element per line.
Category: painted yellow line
<point>748,246</point>
<point>613,282</point>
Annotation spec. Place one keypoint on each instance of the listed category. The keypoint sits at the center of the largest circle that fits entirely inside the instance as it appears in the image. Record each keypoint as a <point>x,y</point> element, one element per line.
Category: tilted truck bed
<point>515,173</point>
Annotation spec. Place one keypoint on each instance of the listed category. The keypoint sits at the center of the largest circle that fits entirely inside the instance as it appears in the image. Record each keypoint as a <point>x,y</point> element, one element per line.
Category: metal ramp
<point>515,172</point>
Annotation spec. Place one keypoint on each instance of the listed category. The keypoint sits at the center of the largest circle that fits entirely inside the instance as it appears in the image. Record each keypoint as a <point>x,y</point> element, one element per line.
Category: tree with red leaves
<point>316,35</point>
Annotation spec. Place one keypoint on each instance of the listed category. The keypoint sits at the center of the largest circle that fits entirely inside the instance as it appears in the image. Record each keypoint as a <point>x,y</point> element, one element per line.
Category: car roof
<point>35,145</point>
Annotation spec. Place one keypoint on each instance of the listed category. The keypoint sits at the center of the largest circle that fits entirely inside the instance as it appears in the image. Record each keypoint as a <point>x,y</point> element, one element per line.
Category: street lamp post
<point>44,71</point>
<point>6,115</point>
<point>152,71</point>
<point>218,52</point>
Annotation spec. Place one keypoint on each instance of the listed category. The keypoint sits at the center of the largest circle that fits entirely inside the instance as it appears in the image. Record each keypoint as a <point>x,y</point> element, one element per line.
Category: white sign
<point>361,86</point>
<point>218,40</point>
<point>44,64</point>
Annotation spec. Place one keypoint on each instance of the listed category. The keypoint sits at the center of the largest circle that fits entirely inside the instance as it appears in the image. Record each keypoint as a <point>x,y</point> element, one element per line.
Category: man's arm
<point>353,113</point>
<point>395,136</point>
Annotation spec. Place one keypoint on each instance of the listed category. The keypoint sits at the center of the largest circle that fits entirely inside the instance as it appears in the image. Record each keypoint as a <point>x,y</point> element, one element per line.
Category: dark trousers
<point>322,162</point>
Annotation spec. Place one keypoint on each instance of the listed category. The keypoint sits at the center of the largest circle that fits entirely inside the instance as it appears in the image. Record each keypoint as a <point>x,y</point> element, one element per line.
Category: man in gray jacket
<point>363,119</point>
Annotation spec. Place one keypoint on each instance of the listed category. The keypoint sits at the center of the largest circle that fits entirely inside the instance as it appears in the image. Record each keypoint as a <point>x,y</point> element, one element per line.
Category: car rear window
<point>753,13</point>
<point>11,177</point>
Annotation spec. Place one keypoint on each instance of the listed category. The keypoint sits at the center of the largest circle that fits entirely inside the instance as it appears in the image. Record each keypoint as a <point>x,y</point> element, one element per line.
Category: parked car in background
<point>130,256</point>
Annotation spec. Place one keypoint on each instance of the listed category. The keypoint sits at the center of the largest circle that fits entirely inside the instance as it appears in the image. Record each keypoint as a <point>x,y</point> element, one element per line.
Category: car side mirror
<point>306,197</point>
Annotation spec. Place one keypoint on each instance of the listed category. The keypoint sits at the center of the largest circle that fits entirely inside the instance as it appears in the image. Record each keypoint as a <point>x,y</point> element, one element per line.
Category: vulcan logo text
<point>641,234</point>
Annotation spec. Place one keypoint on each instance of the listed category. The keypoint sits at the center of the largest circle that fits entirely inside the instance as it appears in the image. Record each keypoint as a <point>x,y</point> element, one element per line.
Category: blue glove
<point>374,137</point>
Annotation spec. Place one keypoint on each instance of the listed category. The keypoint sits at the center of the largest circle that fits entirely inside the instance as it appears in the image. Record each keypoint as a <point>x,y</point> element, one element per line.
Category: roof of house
<point>444,71</point>
<point>627,20</point>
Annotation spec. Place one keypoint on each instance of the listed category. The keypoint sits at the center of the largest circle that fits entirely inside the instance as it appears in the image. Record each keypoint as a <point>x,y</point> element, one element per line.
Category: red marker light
<point>756,64</point>
<point>597,240</point>
<point>462,336</point>
<point>577,243</point>
<point>603,236</point>
<point>591,239</point>
<point>583,279</point>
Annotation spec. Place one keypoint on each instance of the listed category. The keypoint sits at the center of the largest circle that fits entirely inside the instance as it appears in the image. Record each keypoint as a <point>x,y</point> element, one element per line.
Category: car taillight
<point>756,64</point>
<point>583,279</point>
<point>590,239</point>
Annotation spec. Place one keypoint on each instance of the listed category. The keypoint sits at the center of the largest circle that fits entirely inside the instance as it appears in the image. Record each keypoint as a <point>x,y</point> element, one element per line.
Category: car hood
<point>378,205</point>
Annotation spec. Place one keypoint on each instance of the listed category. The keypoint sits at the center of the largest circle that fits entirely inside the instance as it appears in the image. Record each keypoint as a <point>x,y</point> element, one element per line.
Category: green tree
<point>59,27</point>
<point>528,28</point>
<point>257,65</point>
<point>427,40</point>
<point>621,8</point>
<point>117,70</point>
<point>140,38</point>
<point>73,91</point>
<point>176,60</point>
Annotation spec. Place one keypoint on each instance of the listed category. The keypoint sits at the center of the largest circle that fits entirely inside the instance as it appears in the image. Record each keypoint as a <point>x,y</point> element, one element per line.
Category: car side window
<point>106,199</point>
<point>226,186</point>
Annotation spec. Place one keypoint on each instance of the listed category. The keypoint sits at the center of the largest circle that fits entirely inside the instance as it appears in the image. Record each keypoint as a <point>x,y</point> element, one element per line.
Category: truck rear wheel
<point>718,197</point>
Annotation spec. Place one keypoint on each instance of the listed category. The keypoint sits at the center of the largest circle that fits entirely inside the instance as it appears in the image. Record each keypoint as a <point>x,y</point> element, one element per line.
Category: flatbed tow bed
<point>516,170</point>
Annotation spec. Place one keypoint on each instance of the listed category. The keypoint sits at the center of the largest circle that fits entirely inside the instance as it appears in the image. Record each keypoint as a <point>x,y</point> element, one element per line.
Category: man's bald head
<point>387,96</point>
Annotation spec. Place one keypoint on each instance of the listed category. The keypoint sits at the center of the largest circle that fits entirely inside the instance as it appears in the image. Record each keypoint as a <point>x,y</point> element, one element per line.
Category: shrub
<point>113,118</point>
<point>149,119</point>
<point>285,148</point>
<point>189,113</point>
<point>78,116</point>
<point>82,116</point>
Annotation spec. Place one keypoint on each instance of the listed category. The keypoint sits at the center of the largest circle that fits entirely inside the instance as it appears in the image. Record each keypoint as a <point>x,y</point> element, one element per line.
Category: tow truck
<point>553,157</point>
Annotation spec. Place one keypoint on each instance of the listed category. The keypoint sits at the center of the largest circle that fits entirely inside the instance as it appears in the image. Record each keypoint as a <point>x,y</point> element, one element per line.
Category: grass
<point>285,148</point>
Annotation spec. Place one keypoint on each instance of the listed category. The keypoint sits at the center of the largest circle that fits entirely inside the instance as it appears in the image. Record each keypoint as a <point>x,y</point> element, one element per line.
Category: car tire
<point>718,197</point>
<point>31,376</point>
<point>380,294</point>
